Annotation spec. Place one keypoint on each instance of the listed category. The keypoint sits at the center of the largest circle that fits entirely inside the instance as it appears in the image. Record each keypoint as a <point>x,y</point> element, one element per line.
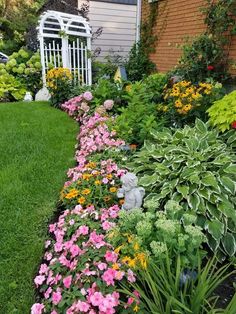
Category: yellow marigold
<point>86,176</point>
<point>106,198</point>
<point>86,192</point>
<point>91,165</point>
<point>113,189</point>
<point>109,176</point>
<point>116,266</point>
<point>81,200</point>
<point>97,182</point>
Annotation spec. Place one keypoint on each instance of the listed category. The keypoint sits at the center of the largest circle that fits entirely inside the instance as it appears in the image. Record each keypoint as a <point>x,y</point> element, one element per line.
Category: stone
<point>130,191</point>
<point>43,95</point>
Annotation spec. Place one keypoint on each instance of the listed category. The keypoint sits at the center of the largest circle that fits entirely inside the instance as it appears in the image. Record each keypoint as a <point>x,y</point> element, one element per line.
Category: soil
<point>225,291</point>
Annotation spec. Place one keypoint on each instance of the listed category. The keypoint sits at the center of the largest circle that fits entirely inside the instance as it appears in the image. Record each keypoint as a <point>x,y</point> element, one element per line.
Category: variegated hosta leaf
<point>229,244</point>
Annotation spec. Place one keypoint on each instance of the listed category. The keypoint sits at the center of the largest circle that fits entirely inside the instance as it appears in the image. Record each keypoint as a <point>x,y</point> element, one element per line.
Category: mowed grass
<point>36,149</point>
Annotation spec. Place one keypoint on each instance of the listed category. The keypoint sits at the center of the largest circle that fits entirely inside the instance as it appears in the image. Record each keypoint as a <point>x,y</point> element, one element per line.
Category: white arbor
<point>65,41</point>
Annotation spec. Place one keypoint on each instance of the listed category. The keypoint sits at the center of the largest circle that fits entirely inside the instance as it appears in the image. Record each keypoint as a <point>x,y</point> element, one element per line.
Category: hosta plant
<point>223,112</point>
<point>194,167</point>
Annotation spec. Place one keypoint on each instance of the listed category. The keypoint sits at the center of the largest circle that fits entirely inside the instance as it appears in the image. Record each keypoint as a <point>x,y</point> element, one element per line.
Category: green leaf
<point>212,243</point>
<point>210,180</point>
<point>229,244</point>
<point>228,184</point>
<point>200,126</point>
<point>148,180</point>
<point>183,189</point>
<point>231,169</point>
<point>194,201</point>
<point>215,228</point>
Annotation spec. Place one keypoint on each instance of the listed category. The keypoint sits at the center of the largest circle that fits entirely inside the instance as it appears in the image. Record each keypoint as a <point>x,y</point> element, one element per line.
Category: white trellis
<point>65,41</point>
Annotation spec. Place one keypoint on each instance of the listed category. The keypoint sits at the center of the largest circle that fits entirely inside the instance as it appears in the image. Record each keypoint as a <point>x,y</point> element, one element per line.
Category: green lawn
<point>36,149</point>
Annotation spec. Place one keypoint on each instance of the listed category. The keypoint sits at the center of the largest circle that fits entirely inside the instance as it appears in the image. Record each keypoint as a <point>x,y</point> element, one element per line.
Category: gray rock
<point>43,95</point>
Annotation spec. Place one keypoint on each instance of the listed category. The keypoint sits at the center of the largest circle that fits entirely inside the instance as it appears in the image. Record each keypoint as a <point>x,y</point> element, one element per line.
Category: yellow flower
<point>109,176</point>
<point>81,200</point>
<point>178,104</point>
<point>116,266</point>
<point>117,250</point>
<point>86,176</point>
<point>132,263</point>
<point>141,257</point>
<point>113,189</point>
<point>165,108</point>
<point>91,165</point>
<point>86,191</point>
<point>196,95</point>
<point>107,198</point>
<point>126,259</point>
<point>187,107</point>
<point>136,308</point>
<point>97,182</point>
<point>136,246</point>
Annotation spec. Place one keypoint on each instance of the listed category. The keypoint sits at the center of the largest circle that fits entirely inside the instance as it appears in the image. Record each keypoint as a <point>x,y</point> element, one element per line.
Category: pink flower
<point>82,306</point>
<point>47,293</point>
<point>106,225</point>
<point>38,280</point>
<point>83,230</point>
<point>131,277</point>
<point>87,96</point>
<point>111,256</point>
<point>109,276</point>
<point>102,266</point>
<point>56,297</point>
<point>74,250</point>
<point>108,104</point>
<point>67,281</point>
<point>54,312</point>
<point>96,299</point>
<point>105,180</point>
<point>43,269</point>
<point>37,308</point>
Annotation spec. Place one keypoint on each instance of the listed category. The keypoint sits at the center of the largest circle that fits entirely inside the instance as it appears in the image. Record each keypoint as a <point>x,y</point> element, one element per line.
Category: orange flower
<point>86,191</point>
<point>81,200</point>
<point>107,198</point>
<point>109,176</point>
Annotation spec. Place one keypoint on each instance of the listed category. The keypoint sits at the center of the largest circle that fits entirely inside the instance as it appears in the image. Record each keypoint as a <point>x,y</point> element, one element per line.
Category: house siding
<point>118,22</point>
<point>176,20</point>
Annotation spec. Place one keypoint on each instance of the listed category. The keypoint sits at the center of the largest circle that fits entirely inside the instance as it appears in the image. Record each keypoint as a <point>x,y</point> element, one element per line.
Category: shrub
<point>223,112</point>
<point>140,116</point>
<point>138,65</point>
<point>185,101</point>
<point>59,82</point>
<point>194,167</point>
<point>203,58</point>
<point>11,89</point>
<point>26,67</point>
<point>154,234</point>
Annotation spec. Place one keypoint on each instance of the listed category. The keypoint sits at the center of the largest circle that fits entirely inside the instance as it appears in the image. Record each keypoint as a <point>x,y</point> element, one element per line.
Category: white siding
<point>119,26</point>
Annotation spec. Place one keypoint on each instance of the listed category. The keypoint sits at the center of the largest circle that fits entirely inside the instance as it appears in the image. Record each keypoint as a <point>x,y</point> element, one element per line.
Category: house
<point>174,21</point>
<point>119,20</point>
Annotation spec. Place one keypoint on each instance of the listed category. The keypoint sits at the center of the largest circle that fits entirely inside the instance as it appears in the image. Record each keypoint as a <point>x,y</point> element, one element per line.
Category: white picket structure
<point>59,49</point>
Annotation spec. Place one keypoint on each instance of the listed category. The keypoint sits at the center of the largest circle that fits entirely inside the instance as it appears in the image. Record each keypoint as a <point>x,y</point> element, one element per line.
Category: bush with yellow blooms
<point>59,83</point>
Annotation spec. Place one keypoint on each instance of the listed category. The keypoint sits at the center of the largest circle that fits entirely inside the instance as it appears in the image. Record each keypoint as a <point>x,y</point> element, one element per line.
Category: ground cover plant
<point>194,167</point>
<point>37,145</point>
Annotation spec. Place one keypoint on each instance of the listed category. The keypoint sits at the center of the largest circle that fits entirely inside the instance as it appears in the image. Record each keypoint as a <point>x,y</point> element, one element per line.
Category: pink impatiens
<point>78,274</point>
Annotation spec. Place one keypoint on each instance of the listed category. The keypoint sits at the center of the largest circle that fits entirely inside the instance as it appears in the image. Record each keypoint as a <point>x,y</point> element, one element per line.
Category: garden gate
<point>65,41</point>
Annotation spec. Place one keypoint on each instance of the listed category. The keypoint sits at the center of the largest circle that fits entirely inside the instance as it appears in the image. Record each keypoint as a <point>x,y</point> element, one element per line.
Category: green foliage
<point>223,112</point>
<point>166,289</point>
<point>157,233</point>
<point>193,166</point>
<point>26,67</point>
<point>138,65</point>
<point>107,68</point>
<point>203,58</point>
<point>220,17</point>
<point>140,116</point>
<point>11,89</point>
